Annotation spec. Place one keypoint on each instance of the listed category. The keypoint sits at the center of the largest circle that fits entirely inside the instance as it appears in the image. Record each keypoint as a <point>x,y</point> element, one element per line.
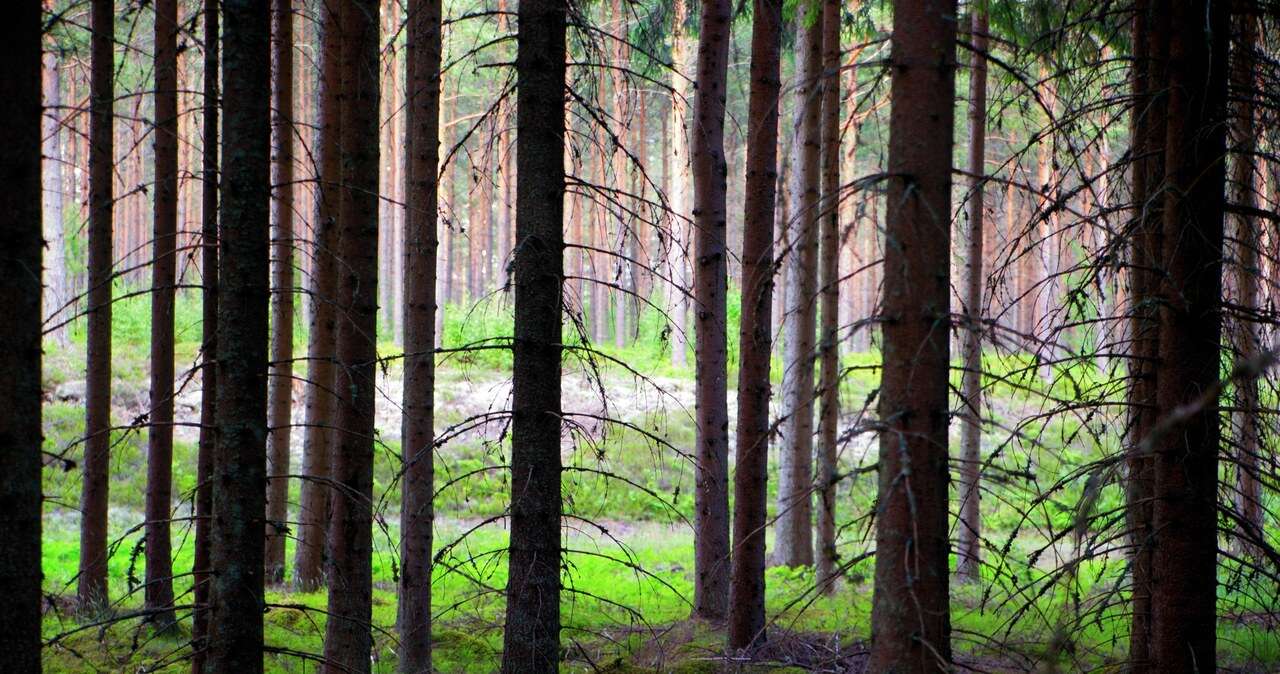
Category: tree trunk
<point>1184,617</point>
<point>747,594</point>
<point>1245,336</point>
<point>417,436</point>
<point>711,498</point>
<point>20,352</point>
<point>239,479</point>
<point>969,530</point>
<point>829,267</point>
<point>678,249</point>
<point>56,288</point>
<point>280,381</point>
<point>348,641</point>
<point>91,590</point>
<point>532,637</point>
<point>910,614</point>
<point>319,436</point>
<point>793,533</point>
<point>159,497</point>
<point>201,570</point>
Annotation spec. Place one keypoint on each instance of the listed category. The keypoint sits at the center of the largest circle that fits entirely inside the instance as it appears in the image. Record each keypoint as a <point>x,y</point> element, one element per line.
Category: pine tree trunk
<point>159,497</point>
<point>280,381</point>
<point>751,478</point>
<point>793,533</point>
<point>56,288</point>
<point>417,487</point>
<point>319,436</point>
<point>21,249</point>
<point>91,590</point>
<point>711,496</point>
<point>348,639</point>
<point>1184,617</point>
<point>531,643</point>
<point>678,250</point>
<point>969,530</point>
<point>239,479</point>
<point>910,610</point>
<point>829,267</point>
<point>202,570</point>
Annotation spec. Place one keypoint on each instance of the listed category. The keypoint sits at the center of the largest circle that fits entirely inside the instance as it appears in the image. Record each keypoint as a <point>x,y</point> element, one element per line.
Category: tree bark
<point>417,442</point>
<point>532,637</point>
<point>91,589</point>
<point>320,436</point>
<point>348,640</point>
<point>829,267</point>
<point>793,532</point>
<point>201,570</point>
<point>56,284</point>
<point>751,478</point>
<point>1184,617</point>
<point>239,479</point>
<point>159,497</point>
<point>280,381</point>
<point>969,531</point>
<point>910,621</point>
<point>711,496</point>
<point>21,249</point>
<point>678,248</point>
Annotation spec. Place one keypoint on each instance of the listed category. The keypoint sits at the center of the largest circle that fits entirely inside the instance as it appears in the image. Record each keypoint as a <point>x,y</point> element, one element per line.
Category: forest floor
<point>628,578</point>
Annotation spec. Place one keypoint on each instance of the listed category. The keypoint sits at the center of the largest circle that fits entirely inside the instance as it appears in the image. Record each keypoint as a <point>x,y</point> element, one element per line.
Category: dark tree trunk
<point>280,381</point>
<point>910,615</point>
<point>711,496</point>
<point>91,588</point>
<point>750,482</point>
<point>1184,617</point>
<point>21,248</point>
<point>1245,335</point>
<point>348,640</point>
<point>319,436</point>
<point>969,530</point>
<point>1150,37</point>
<point>202,571</point>
<point>829,267</point>
<point>531,641</point>
<point>793,532</point>
<point>159,498</point>
<point>239,478</point>
<point>417,435</point>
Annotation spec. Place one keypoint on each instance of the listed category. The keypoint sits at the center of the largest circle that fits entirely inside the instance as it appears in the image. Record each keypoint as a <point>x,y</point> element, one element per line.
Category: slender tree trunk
<point>202,570</point>
<point>678,251</point>
<point>910,614</point>
<point>829,267</point>
<point>793,533</point>
<point>711,497</point>
<point>348,641</point>
<point>422,87</point>
<point>1247,269</point>
<point>159,498</point>
<point>747,593</point>
<point>91,590</point>
<point>1184,616</point>
<point>56,287</point>
<point>240,467</point>
<point>319,436</point>
<point>280,381</point>
<point>969,531</point>
<point>532,638</point>
<point>21,248</point>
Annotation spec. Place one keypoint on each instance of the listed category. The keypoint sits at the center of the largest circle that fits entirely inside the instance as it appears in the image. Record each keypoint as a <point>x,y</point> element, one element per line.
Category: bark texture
<point>21,249</point>
<point>910,614</point>
<point>531,642</point>
<point>751,478</point>
<point>239,478</point>
<point>711,495</point>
